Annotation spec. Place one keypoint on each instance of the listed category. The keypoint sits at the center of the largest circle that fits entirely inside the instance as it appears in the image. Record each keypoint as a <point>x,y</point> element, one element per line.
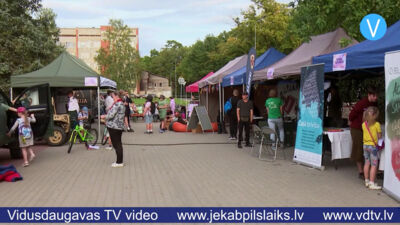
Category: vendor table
<point>341,144</point>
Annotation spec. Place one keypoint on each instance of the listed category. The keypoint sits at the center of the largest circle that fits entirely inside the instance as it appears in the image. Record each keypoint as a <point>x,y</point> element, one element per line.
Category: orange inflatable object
<point>179,127</point>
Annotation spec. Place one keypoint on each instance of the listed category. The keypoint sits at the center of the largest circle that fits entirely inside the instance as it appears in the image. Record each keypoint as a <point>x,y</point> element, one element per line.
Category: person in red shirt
<point>355,121</point>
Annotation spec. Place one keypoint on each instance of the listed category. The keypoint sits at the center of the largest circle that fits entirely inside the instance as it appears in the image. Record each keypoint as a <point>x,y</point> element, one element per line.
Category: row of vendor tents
<point>274,65</point>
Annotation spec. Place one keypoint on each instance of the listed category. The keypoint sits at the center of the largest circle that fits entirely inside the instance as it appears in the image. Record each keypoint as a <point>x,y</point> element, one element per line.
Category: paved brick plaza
<point>181,175</point>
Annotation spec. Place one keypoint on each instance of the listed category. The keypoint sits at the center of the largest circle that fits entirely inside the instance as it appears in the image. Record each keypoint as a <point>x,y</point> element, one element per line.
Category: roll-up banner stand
<point>308,147</point>
<point>391,153</point>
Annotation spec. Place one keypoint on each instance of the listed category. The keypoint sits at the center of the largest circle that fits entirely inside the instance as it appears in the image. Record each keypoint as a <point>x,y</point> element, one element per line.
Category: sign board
<point>181,81</point>
<point>91,81</point>
<point>308,147</point>
<point>391,183</point>
<point>339,62</point>
<point>270,73</point>
<point>199,114</point>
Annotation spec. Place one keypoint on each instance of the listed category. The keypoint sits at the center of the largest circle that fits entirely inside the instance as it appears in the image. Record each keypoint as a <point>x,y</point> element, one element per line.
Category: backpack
<point>25,131</point>
<point>228,106</point>
<point>152,108</point>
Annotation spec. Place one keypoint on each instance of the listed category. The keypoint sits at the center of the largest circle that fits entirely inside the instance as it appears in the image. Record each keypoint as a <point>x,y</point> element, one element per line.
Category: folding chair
<point>262,124</point>
<point>257,136</point>
<point>270,145</point>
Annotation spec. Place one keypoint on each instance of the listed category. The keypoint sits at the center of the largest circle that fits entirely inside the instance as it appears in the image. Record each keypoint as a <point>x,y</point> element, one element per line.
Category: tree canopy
<point>119,60</point>
<point>28,38</point>
<point>267,23</point>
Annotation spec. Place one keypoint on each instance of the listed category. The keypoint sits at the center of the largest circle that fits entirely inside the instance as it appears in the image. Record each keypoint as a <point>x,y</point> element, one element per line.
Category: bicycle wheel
<point>91,136</point>
<point>104,137</point>
<point>72,141</point>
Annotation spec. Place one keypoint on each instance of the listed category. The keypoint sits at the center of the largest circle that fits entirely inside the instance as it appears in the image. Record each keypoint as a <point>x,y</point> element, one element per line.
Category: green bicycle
<point>88,136</point>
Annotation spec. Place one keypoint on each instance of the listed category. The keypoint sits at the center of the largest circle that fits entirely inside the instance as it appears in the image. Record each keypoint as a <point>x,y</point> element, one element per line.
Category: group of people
<point>365,130</point>
<point>241,116</point>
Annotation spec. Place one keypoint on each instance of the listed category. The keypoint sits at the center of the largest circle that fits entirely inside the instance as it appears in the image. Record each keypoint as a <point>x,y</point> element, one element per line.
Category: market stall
<point>66,71</point>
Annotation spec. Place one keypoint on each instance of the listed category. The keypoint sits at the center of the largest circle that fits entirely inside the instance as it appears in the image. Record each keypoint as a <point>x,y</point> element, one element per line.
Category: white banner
<point>391,183</point>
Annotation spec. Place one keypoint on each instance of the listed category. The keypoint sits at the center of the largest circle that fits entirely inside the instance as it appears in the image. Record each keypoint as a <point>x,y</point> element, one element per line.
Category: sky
<point>185,21</point>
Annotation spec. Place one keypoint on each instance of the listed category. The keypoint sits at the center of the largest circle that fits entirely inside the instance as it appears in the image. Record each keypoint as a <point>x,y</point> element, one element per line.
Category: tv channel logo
<point>373,27</point>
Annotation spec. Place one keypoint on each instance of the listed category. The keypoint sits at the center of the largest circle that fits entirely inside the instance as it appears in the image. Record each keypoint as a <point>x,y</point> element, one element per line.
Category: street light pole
<point>175,79</point>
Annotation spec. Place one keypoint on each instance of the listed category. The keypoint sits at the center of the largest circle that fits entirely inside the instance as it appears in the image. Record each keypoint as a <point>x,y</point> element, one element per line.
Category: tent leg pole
<point>98,110</point>
<point>223,106</point>
<point>207,99</point>
<point>220,104</point>
<point>11,94</point>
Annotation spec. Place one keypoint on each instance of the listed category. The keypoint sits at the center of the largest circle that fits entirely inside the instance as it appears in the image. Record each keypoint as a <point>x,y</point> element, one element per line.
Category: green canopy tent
<point>65,71</point>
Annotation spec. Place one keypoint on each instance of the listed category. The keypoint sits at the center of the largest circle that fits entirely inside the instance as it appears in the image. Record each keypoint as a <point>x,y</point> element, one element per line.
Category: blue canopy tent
<point>367,54</point>
<point>267,58</point>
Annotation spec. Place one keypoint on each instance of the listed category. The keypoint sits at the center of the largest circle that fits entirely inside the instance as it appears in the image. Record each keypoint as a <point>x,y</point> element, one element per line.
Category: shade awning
<point>195,86</point>
<point>302,56</point>
<point>65,71</point>
<point>367,54</point>
<point>267,58</point>
<point>230,67</point>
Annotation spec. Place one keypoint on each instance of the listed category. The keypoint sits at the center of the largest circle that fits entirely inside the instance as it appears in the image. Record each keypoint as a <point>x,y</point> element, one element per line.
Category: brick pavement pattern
<point>182,175</point>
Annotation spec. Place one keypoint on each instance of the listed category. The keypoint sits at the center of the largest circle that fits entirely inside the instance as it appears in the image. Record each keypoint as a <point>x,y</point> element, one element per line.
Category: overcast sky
<point>158,20</point>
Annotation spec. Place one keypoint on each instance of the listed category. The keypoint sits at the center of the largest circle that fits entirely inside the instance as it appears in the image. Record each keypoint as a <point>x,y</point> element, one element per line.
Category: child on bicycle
<point>25,134</point>
<point>371,134</point>
<point>83,117</point>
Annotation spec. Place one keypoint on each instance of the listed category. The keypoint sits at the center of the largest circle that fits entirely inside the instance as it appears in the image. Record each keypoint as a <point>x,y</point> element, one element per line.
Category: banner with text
<point>391,153</point>
<point>308,147</point>
<point>107,215</point>
<point>251,59</point>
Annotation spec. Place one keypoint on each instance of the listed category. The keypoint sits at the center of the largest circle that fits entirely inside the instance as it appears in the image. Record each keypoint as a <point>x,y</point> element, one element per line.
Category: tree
<point>119,60</point>
<point>271,22</point>
<point>313,17</point>
<point>165,62</point>
<point>28,38</point>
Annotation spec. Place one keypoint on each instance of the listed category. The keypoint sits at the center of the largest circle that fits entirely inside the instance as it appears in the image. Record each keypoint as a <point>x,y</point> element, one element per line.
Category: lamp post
<point>181,82</point>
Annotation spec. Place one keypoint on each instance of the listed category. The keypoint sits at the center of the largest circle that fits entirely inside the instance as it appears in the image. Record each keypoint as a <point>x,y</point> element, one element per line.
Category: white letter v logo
<point>376,27</point>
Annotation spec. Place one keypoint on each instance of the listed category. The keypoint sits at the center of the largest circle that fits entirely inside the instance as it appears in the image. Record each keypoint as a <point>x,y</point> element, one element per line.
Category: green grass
<point>178,101</point>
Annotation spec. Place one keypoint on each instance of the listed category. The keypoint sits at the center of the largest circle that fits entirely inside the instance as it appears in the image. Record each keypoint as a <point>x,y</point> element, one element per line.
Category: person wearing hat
<point>162,106</point>
<point>25,133</point>
<point>244,114</point>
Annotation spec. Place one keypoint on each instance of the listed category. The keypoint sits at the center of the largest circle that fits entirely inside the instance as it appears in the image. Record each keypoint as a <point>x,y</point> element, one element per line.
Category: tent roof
<point>267,58</point>
<point>367,54</point>
<point>302,56</point>
<point>65,71</point>
<point>195,86</point>
<point>230,67</point>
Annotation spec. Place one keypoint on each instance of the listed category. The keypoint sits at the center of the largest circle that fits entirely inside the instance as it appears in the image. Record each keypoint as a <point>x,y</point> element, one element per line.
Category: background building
<point>84,42</point>
<point>153,84</point>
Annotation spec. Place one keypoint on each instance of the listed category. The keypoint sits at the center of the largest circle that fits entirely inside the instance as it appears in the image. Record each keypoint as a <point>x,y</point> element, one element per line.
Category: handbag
<point>379,147</point>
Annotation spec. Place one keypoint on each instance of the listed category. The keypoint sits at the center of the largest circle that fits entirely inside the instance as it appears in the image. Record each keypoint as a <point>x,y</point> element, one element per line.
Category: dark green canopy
<point>65,71</point>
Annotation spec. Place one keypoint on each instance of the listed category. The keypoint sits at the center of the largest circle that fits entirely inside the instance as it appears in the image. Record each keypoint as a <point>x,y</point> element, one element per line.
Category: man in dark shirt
<point>245,117</point>
<point>233,122</point>
<point>355,120</point>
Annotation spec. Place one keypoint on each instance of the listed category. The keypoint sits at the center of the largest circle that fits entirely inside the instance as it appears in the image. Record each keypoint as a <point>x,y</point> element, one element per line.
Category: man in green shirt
<point>274,106</point>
